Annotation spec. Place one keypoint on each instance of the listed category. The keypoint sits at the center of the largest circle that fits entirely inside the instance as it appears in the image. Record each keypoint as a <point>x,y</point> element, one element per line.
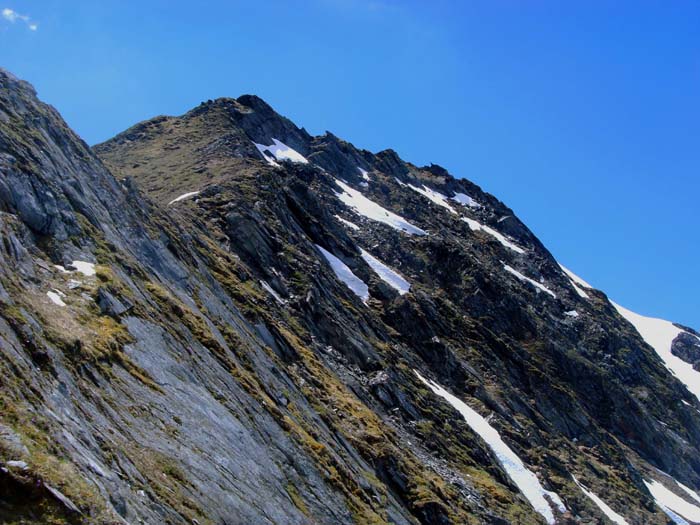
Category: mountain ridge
<point>225,373</point>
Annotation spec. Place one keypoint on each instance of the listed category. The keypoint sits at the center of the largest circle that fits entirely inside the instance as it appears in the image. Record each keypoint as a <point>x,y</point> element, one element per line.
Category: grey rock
<point>12,442</point>
<point>66,502</point>
<point>110,305</point>
<point>687,347</point>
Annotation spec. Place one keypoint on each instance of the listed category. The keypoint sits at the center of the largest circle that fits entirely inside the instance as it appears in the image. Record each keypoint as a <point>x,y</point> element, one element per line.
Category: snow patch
<point>86,268</point>
<point>690,491</point>
<point>435,196</point>
<point>611,514</point>
<point>477,226</point>
<point>269,289</point>
<point>659,334</point>
<point>678,509</point>
<point>465,200</point>
<point>576,282</point>
<point>524,478</point>
<point>572,313</point>
<point>17,464</point>
<point>534,283</point>
<point>370,209</point>
<point>183,197</point>
<point>281,152</point>
<point>345,274</point>
<point>575,277</point>
<point>364,173</point>
<point>580,292</point>
<point>56,297</point>
<point>389,276</point>
<point>347,223</point>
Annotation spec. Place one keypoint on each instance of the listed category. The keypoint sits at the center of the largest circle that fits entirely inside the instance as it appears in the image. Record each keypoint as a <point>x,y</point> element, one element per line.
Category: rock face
<point>214,366</point>
<point>687,347</point>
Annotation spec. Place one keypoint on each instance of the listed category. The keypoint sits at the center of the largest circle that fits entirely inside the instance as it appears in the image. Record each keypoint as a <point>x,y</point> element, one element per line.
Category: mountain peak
<point>7,76</point>
<point>255,102</point>
<point>217,316</point>
<point>5,73</point>
<point>244,104</point>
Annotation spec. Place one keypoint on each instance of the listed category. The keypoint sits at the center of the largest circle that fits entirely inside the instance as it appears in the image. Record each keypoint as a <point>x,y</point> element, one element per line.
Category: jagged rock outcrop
<point>687,346</point>
<point>219,318</point>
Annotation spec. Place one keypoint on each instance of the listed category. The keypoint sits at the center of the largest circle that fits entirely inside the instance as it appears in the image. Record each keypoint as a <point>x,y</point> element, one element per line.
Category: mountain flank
<point>219,318</point>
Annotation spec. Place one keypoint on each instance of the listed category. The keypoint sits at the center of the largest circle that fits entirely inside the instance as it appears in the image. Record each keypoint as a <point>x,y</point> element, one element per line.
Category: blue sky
<point>584,117</point>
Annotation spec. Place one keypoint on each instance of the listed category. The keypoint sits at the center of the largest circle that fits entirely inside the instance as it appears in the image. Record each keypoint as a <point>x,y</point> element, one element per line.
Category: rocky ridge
<point>180,344</point>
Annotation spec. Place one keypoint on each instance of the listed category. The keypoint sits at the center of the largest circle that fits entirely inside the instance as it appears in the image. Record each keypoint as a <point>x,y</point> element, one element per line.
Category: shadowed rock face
<point>215,369</point>
<point>687,347</point>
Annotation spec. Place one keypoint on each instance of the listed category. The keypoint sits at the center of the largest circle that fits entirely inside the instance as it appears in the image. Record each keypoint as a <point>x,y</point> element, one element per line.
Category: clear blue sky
<point>584,117</point>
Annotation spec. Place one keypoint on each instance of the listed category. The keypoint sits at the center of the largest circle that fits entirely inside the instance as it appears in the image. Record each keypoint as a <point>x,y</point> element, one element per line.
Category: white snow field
<point>524,478</point>
<point>269,289</point>
<point>689,491</point>
<point>347,223</point>
<point>477,226</point>
<point>183,197</point>
<point>86,268</point>
<point>605,509</point>
<point>435,196</point>
<point>389,276</point>
<point>55,297</point>
<point>576,282</point>
<point>370,209</point>
<point>465,200</point>
<point>659,334</point>
<point>345,274</point>
<point>281,152</point>
<point>534,283</point>
<point>675,507</point>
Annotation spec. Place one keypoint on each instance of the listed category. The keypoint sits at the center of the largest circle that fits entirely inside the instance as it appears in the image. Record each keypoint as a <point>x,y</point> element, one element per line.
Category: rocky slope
<point>219,318</point>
